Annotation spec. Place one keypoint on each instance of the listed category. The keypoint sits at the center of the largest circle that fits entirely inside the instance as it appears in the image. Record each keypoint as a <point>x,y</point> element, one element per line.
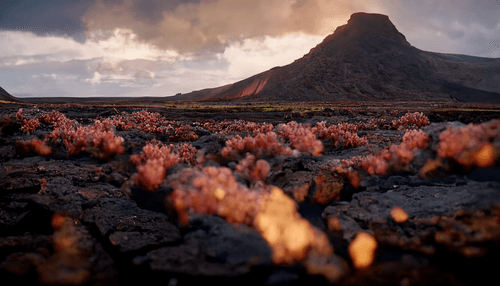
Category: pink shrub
<point>105,145</point>
<point>183,133</point>
<point>151,175</point>
<point>155,151</point>
<point>24,148</point>
<point>253,169</point>
<point>395,157</point>
<point>98,139</point>
<point>30,125</point>
<point>239,126</point>
<point>414,139</point>
<point>262,144</point>
<point>52,117</point>
<point>301,138</point>
<point>186,153</point>
<point>19,114</point>
<point>410,119</point>
<point>343,132</point>
<point>471,145</point>
<point>212,190</point>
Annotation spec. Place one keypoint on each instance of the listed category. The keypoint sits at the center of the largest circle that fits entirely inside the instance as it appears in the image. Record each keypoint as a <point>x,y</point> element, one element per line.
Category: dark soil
<point>119,234</point>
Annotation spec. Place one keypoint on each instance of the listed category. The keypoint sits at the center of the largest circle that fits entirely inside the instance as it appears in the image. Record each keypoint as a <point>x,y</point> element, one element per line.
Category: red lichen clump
<point>105,145</point>
<point>226,127</point>
<point>30,125</point>
<point>343,132</point>
<point>327,190</point>
<point>411,119</point>
<point>151,175</point>
<point>97,139</point>
<point>261,145</point>
<point>290,236</point>
<point>24,148</point>
<point>52,117</point>
<point>212,190</point>
<point>471,145</point>
<point>301,138</point>
<point>396,157</point>
<point>183,133</point>
<point>155,150</point>
<point>253,169</point>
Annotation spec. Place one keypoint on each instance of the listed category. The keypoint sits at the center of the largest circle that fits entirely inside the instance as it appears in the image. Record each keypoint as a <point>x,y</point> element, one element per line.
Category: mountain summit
<point>367,59</point>
<point>364,31</point>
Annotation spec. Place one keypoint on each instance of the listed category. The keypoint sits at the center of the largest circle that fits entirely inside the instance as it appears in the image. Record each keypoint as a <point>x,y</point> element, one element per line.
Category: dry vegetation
<point>236,181</point>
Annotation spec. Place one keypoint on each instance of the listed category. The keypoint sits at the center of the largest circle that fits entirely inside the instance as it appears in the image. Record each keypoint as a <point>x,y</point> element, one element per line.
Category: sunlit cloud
<point>120,45</point>
<point>95,80</point>
<point>255,55</point>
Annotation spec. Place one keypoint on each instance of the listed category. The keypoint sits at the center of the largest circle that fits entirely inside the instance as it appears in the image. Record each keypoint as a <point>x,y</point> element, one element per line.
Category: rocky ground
<point>98,215</point>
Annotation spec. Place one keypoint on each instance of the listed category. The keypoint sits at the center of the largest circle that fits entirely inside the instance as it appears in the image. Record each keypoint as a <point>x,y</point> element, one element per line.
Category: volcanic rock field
<point>263,194</point>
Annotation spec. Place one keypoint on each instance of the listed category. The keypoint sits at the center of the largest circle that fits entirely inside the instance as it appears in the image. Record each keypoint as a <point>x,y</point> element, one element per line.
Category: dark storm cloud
<point>212,24</point>
<point>42,17</point>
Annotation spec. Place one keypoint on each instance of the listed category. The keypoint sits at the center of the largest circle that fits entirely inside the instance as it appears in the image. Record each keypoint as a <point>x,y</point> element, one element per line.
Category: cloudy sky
<point>163,47</point>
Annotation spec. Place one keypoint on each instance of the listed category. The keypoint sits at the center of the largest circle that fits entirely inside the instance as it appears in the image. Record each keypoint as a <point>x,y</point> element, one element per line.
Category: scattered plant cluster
<point>396,157</point>
<point>253,169</point>
<point>24,148</point>
<point>472,145</point>
<point>212,190</point>
<point>411,120</point>
<point>98,139</point>
<point>30,125</point>
<point>156,158</point>
<point>343,132</point>
<point>267,144</point>
<point>301,138</point>
<point>215,190</point>
<point>183,133</point>
<point>151,122</point>
<point>239,126</point>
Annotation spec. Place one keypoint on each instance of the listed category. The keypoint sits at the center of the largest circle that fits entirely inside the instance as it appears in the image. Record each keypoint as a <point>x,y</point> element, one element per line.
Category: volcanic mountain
<point>367,59</point>
<point>4,95</point>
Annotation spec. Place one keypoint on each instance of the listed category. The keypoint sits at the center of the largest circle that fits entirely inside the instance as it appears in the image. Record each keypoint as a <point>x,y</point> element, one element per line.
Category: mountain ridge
<point>367,59</point>
<point>4,95</point>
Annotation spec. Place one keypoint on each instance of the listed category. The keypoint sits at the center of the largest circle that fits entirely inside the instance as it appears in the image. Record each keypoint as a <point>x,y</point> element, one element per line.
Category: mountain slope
<point>4,95</point>
<point>367,59</point>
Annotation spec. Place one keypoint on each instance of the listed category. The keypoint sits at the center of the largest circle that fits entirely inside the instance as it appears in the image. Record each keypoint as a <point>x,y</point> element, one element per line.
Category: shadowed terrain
<point>4,95</point>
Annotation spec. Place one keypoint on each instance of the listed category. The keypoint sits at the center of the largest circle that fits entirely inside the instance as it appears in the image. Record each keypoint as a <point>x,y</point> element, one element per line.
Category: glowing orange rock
<point>430,166</point>
<point>290,236</point>
<point>485,157</point>
<point>362,250</point>
<point>399,215</point>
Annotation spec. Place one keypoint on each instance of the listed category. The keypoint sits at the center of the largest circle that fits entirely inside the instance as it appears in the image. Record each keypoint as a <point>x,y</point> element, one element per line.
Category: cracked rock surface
<point>76,220</point>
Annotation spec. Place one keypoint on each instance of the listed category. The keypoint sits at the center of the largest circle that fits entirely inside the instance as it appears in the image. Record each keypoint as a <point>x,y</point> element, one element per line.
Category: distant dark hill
<point>4,95</point>
<point>367,59</point>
